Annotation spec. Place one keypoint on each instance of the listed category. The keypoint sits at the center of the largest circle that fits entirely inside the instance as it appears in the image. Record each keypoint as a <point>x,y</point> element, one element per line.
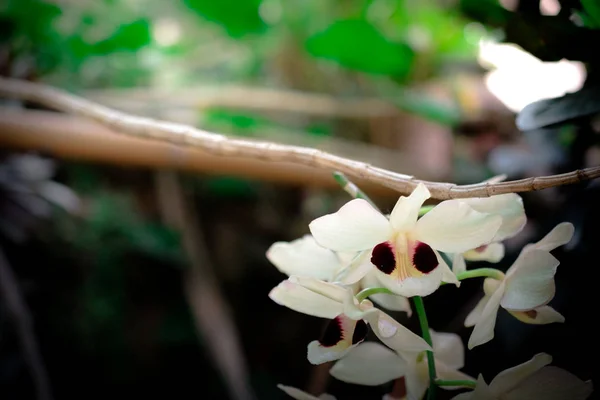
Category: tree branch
<point>221,145</point>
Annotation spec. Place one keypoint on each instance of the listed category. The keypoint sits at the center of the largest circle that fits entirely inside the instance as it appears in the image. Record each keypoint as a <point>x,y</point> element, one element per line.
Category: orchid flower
<point>301,395</point>
<point>510,207</point>
<point>404,249</point>
<point>349,319</point>
<point>304,257</point>
<point>533,379</point>
<point>373,364</point>
<point>525,289</point>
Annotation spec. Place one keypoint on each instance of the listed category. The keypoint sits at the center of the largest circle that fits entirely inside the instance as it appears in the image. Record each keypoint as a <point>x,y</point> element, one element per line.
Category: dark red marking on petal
<point>333,333</point>
<point>383,258</point>
<point>424,258</point>
<point>360,332</point>
<point>531,314</point>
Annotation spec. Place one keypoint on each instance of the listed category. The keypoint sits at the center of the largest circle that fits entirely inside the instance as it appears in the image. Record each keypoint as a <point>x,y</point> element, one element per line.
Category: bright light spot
<point>270,11</point>
<point>474,32</point>
<point>549,7</point>
<point>518,78</point>
<point>166,31</point>
<point>510,5</point>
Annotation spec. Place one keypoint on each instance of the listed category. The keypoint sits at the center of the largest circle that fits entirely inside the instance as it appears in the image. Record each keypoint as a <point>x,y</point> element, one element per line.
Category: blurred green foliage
<point>237,17</point>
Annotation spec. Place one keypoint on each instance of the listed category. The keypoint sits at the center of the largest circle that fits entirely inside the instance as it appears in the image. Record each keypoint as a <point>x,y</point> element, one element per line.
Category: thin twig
<point>221,145</point>
<point>211,314</point>
<point>18,310</point>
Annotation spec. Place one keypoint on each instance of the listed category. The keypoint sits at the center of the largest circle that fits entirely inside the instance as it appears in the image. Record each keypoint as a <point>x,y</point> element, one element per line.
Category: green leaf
<point>237,17</point>
<point>357,44</point>
<point>592,8</point>
<point>128,37</point>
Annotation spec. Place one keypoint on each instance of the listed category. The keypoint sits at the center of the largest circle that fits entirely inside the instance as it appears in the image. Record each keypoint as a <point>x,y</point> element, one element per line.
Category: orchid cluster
<point>357,262</point>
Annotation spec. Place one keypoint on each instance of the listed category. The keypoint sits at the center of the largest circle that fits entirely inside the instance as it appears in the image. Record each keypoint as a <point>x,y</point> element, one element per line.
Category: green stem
<point>351,188</point>
<point>420,308</point>
<point>463,383</point>
<point>363,294</point>
<point>424,210</point>
<point>481,273</point>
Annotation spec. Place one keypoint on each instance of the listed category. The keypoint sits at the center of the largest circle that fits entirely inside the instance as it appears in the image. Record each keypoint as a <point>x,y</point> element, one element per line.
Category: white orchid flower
<point>348,327</point>
<point>403,248</point>
<point>301,395</point>
<point>373,364</point>
<point>533,379</point>
<point>525,289</point>
<point>305,257</point>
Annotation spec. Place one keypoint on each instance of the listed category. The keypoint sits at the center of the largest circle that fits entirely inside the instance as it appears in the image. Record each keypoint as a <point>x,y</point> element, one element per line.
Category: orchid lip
<point>415,258</point>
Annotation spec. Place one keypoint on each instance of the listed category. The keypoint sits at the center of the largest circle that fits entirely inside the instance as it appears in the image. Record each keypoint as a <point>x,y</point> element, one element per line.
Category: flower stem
<point>351,188</point>
<point>464,383</point>
<point>424,210</point>
<point>420,308</point>
<point>363,294</point>
<point>480,273</point>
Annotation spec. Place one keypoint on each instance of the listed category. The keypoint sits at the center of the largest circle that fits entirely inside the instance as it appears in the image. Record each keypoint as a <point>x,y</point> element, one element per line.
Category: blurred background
<point>138,268</point>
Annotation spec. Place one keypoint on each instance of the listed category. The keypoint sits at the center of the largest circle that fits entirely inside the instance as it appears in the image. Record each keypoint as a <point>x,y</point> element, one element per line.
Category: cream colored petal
<point>341,336</point>
<point>298,298</point>
<point>394,335</point>
<point>356,226</point>
<point>482,392</point>
<point>560,235</point>
<point>369,364</point>
<point>508,379</point>
<point>417,379</point>
<point>539,316</point>
<point>530,283</point>
<point>484,329</point>
<point>454,227</point>
<point>327,289</point>
<point>388,301</point>
<point>448,348</point>
<point>301,395</point>
<point>475,314</point>
<point>318,354</point>
<point>405,212</point>
<point>304,257</point>
<point>493,252</point>
<point>458,263</point>
<point>551,383</point>
<point>509,206</point>
<point>358,267</point>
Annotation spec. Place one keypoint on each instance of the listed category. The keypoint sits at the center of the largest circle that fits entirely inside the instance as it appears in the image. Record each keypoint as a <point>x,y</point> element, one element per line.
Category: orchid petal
<point>539,316</point>
<point>356,226</point>
<point>530,281</point>
<point>508,379</point>
<point>475,314</point>
<point>484,329</point>
<point>482,392</point>
<point>422,285</point>
<point>458,264</point>
<point>509,206</point>
<point>301,299</point>
<point>394,335</point>
<point>454,227</point>
<point>330,290</point>
<point>551,383</point>
<point>417,380</point>
<point>304,257</point>
<point>301,395</point>
<point>340,337</point>
<point>406,211</point>
<point>560,235</point>
<point>369,364</point>
<point>448,349</point>
<point>388,301</point>
<point>493,252</point>
<point>356,269</point>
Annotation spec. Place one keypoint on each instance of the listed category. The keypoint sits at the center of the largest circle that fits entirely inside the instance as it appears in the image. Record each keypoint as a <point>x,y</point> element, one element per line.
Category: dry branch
<point>221,145</point>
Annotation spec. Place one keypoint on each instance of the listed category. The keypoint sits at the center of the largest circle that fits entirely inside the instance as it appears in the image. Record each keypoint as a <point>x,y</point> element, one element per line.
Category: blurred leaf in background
<point>237,17</point>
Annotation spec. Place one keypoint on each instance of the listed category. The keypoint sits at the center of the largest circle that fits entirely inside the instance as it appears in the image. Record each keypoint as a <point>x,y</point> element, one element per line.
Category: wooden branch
<point>220,145</point>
